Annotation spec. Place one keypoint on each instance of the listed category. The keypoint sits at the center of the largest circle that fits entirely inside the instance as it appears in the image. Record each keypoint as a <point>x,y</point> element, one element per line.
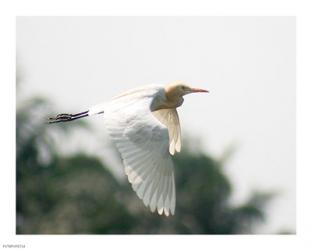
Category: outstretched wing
<point>170,118</point>
<point>143,143</point>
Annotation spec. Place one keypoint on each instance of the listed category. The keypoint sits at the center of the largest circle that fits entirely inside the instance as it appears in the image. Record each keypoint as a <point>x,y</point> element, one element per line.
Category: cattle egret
<point>144,125</point>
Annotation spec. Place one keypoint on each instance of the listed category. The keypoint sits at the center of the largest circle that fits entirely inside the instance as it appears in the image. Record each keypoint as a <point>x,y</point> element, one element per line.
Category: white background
<point>302,241</point>
<point>247,63</point>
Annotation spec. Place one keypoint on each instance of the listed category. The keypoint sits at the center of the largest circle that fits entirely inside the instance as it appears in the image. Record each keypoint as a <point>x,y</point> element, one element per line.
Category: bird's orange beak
<point>195,90</point>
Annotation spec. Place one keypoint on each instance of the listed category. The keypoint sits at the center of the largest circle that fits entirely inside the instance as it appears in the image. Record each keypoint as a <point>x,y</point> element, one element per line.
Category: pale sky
<point>247,63</point>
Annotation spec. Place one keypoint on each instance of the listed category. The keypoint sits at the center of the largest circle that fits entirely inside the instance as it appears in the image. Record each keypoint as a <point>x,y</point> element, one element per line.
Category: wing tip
<point>174,148</point>
<point>163,211</point>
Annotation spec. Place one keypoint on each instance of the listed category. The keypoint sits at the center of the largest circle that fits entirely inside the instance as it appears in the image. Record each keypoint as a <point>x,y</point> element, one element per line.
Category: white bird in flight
<point>144,125</point>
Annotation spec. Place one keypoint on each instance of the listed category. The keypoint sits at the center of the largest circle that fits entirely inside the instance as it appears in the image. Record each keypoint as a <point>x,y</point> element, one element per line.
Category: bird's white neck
<point>167,100</point>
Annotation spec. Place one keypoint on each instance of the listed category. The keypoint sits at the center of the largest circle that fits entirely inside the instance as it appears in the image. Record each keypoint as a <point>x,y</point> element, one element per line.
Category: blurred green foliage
<point>78,194</point>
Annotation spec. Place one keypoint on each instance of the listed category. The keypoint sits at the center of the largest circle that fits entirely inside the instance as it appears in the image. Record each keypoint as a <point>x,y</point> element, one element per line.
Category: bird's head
<point>180,89</point>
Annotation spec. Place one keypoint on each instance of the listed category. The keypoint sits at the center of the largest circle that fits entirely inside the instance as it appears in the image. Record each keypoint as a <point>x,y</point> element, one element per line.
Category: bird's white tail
<point>97,109</point>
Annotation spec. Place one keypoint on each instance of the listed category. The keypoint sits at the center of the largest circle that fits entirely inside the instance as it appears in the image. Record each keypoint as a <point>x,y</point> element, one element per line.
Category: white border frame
<point>300,9</point>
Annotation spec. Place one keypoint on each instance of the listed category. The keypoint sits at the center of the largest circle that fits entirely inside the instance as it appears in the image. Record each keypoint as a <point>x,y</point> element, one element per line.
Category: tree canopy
<point>77,194</point>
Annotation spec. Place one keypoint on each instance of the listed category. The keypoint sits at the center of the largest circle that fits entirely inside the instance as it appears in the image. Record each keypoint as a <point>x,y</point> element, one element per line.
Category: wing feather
<point>143,142</point>
<point>170,118</point>
<point>173,198</point>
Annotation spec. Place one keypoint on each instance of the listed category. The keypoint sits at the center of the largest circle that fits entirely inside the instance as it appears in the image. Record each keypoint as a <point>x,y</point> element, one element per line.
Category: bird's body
<point>144,125</point>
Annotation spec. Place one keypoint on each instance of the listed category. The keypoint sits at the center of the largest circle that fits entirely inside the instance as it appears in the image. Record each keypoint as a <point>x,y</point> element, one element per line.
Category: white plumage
<point>144,125</point>
<point>143,141</point>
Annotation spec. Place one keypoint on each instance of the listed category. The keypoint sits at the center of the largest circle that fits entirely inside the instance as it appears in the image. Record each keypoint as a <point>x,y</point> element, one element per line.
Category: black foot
<point>67,117</point>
